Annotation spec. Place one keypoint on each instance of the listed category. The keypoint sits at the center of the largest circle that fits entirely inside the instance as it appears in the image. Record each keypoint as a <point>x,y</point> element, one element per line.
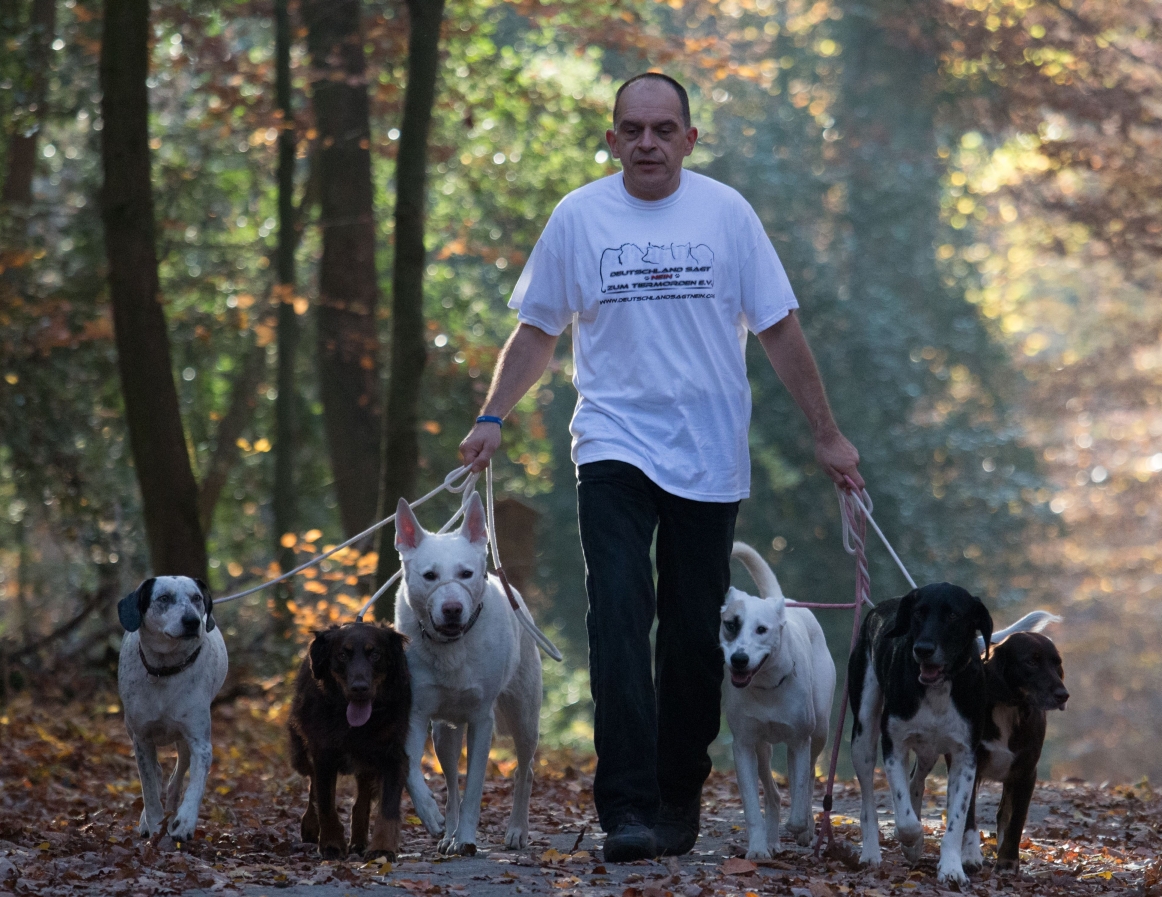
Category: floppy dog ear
<point>475,526</point>
<point>903,622</point>
<point>133,606</point>
<point>320,653</point>
<point>208,600</point>
<point>983,621</point>
<point>408,532</point>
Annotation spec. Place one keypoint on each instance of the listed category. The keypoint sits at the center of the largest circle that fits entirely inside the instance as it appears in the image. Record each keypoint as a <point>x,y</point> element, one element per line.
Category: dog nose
<point>191,625</point>
<point>1061,695</point>
<point>740,660</point>
<point>923,650</point>
<point>358,686</point>
<point>453,610</point>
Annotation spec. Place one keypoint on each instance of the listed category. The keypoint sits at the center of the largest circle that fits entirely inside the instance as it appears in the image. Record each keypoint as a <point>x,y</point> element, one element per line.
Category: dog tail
<point>760,571</point>
<point>1034,621</point>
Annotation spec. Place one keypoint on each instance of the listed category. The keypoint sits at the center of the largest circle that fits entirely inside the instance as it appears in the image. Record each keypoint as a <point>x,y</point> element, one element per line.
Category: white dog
<point>471,663</point>
<point>782,680</point>
<point>173,661</point>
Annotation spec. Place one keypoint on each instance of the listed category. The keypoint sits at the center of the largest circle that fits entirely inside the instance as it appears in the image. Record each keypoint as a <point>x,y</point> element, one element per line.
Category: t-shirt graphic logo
<point>676,271</point>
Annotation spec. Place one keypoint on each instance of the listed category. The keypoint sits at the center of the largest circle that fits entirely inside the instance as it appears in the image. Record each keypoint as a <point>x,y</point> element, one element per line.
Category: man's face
<point>650,139</point>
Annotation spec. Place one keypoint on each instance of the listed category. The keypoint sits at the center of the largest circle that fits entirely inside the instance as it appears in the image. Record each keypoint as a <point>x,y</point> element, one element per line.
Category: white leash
<point>466,488</point>
<point>518,608</point>
<point>448,484</point>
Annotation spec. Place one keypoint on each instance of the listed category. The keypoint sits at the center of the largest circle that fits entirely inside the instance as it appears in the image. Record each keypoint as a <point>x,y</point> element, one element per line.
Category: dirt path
<point>69,796</point>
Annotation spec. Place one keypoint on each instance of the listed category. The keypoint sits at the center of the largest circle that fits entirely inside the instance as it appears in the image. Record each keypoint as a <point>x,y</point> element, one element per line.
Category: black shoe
<point>676,829</point>
<point>628,841</point>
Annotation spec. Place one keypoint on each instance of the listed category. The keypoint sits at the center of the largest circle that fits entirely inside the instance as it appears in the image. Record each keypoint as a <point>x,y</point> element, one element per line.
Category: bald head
<point>653,78</point>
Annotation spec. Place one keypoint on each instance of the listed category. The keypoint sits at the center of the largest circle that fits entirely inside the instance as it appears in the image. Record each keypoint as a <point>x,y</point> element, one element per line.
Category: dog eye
<point>374,655</point>
<point>465,574</point>
<point>430,575</point>
<point>761,630</point>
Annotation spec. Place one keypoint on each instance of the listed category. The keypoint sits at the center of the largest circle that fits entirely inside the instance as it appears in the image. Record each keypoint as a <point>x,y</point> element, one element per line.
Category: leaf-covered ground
<point>69,797</point>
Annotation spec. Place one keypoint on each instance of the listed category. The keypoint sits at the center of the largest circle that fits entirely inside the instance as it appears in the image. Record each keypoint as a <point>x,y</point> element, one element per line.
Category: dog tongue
<point>358,714</point>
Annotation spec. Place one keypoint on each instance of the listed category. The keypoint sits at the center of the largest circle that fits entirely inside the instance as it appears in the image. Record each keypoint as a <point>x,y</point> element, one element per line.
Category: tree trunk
<point>169,493</point>
<point>408,351</point>
<point>22,144</point>
<point>285,505</point>
<point>348,346</point>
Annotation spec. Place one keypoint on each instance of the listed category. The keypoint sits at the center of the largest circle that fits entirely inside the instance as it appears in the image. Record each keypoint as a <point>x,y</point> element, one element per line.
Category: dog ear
<point>208,600</point>
<point>408,532</point>
<point>903,622</point>
<point>320,654</point>
<point>134,606</point>
<point>983,621</point>
<point>475,525</point>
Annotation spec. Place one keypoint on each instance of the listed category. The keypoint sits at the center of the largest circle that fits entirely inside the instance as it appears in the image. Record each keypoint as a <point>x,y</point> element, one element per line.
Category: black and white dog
<point>173,661</point>
<point>917,682</point>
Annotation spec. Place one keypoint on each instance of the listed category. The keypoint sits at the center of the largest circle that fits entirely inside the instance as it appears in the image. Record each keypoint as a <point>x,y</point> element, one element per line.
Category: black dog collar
<point>159,672</point>
<point>471,622</point>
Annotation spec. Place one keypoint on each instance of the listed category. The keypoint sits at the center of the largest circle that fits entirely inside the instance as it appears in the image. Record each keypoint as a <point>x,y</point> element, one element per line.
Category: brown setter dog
<point>350,715</point>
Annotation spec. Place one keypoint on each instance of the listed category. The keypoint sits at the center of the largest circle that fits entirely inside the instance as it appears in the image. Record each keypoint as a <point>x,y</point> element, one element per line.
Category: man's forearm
<point>523,360</point>
<point>791,357</point>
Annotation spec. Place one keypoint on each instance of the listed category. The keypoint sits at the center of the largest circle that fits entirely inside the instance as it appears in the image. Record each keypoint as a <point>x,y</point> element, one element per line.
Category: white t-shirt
<point>660,296</point>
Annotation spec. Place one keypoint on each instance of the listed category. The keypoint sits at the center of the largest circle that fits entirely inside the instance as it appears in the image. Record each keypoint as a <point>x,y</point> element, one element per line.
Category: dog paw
<point>870,857</point>
<point>764,854</point>
<point>452,847</point>
<point>914,851</point>
<point>951,872</point>
<point>804,838</point>
<point>429,814</point>
<point>516,839</point>
<point>144,829</point>
<point>971,858</point>
<point>332,850</point>
<point>181,828</point>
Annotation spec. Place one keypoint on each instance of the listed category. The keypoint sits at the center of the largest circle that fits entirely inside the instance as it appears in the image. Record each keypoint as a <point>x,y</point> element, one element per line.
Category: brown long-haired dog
<point>350,715</point>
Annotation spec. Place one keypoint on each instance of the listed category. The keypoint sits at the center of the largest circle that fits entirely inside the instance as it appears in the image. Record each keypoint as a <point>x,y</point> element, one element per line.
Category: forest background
<point>256,257</point>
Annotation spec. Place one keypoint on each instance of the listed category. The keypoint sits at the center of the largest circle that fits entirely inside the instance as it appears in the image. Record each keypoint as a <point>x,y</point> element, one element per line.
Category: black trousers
<point>652,727</point>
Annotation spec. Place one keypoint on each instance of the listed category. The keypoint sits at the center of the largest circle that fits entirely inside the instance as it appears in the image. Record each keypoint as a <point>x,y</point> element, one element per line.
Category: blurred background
<point>255,261</point>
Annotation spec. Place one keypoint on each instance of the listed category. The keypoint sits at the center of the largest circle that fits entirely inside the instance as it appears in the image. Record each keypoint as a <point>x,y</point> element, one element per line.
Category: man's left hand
<point>839,460</point>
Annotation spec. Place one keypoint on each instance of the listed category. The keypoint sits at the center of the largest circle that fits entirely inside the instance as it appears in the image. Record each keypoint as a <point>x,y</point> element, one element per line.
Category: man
<point>660,271</point>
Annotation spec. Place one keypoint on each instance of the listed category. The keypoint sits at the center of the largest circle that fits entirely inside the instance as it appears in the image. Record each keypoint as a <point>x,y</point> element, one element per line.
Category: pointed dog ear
<point>134,606</point>
<point>475,525</point>
<point>983,621</point>
<point>320,653</point>
<point>902,625</point>
<point>408,532</point>
<point>208,600</point>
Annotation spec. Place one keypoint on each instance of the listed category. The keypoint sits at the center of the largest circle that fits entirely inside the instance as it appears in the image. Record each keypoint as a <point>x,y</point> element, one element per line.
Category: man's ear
<point>208,601</point>
<point>133,607</point>
<point>475,526</point>
<point>320,654</point>
<point>983,621</point>
<point>408,532</point>
<point>902,625</point>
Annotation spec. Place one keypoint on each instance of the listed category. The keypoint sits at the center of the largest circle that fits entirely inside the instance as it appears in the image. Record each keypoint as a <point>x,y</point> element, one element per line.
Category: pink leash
<point>855,517</point>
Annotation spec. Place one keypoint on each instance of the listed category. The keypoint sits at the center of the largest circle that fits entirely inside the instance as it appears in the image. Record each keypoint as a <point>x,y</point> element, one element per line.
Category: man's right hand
<point>479,445</point>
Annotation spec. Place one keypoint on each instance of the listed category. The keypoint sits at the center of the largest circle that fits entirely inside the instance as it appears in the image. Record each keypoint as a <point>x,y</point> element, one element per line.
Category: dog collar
<point>159,672</point>
<point>471,622</point>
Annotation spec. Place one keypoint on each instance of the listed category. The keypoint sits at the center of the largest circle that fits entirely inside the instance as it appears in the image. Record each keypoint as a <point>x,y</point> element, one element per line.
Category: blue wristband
<point>490,419</point>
